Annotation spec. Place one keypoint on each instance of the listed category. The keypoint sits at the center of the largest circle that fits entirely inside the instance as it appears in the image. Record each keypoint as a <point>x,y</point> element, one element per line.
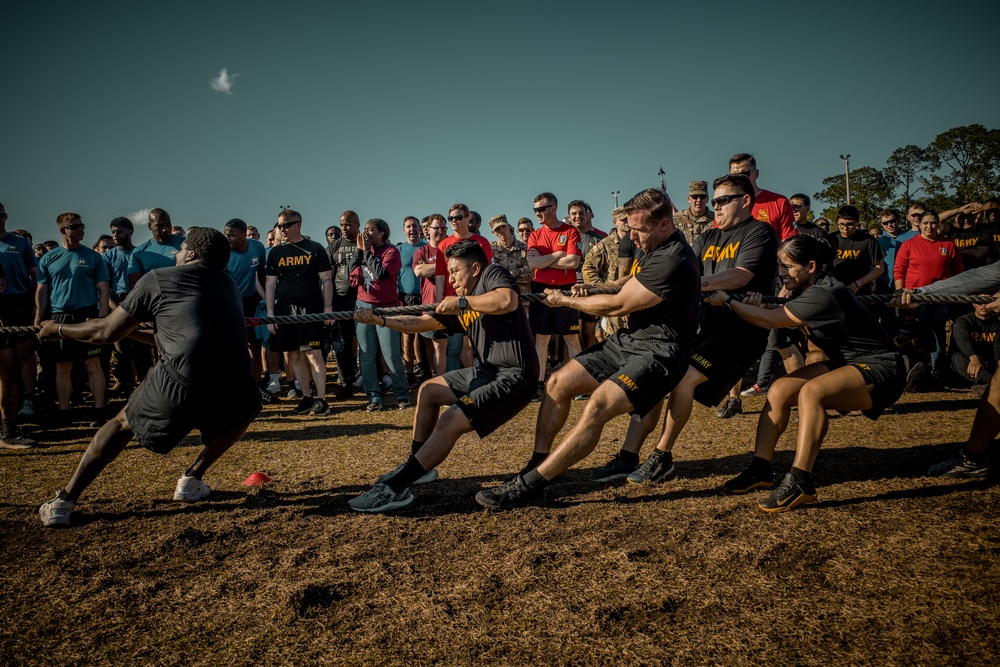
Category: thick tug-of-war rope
<point>424,308</point>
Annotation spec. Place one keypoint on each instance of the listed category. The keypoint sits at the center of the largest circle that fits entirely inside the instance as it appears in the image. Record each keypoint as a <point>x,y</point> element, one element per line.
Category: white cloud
<point>223,83</point>
<point>140,218</point>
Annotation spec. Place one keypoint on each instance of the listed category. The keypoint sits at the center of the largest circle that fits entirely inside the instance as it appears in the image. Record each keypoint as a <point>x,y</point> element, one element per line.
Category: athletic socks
<point>534,480</point>
<point>801,475</point>
<point>188,473</point>
<point>9,426</point>
<point>758,464</point>
<point>629,457</point>
<point>415,447</point>
<point>405,478</point>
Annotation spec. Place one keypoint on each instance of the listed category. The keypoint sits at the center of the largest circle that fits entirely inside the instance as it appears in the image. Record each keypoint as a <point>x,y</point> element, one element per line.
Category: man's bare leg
<point>569,381</point>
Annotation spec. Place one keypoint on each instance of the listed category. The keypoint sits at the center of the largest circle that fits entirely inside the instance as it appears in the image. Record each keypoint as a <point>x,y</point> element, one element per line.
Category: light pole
<point>847,175</point>
<point>615,193</point>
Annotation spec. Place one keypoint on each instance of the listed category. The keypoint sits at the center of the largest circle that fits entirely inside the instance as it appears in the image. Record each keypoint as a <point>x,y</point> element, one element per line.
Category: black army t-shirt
<point>837,322</point>
<point>670,272</point>
<point>198,314</point>
<point>501,341</point>
<point>854,256</point>
<point>297,266</point>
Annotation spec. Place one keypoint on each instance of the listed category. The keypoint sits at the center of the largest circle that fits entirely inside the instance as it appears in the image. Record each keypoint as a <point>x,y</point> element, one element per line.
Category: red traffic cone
<point>257,479</point>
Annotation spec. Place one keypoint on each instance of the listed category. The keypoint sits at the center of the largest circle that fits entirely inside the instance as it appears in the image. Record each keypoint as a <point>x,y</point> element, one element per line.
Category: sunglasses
<point>698,196</point>
<point>719,202</point>
<point>891,221</point>
<point>542,208</point>
<point>453,218</point>
<point>286,225</point>
<point>797,207</point>
<point>76,226</point>
<point>524,230</point>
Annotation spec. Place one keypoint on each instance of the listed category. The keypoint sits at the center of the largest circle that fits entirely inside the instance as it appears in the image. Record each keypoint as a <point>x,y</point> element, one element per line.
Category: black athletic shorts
<point>250,304</point>
<point>490,396</point>
<point>724,357</point>
<point>165,408</point>
<point>548,321</point>
<point>73,350</point>
<point>16,310</point>
<point>647,369</point>
<point>887,375</point>
<point>297,337</point>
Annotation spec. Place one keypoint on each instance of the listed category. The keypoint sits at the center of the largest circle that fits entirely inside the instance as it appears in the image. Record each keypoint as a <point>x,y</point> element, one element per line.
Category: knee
<point>781,394</point>
<point>453,423</point>
<point>556,387</point>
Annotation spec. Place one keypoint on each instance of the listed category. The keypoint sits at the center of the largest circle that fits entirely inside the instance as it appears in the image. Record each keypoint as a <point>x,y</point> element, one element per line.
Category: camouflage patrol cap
<point>498,220</point>
<point>698,188</point>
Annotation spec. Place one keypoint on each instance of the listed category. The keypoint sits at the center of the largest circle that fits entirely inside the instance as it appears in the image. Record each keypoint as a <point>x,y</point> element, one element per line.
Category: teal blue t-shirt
<point>72,277</point>
<point>243,266</point>
<point>152,255</point>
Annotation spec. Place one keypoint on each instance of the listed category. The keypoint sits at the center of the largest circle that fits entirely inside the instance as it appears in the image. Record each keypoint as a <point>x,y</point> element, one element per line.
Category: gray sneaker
<point>657,467</point>
<point>960,466</point>
<point>616,468</point>
<point>381,498</point>
<point>427,477</point>
<point>16,440</point>
<point>56,512</point>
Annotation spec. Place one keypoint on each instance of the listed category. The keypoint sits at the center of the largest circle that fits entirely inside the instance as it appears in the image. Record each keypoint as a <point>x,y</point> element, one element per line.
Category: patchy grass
<point>888,567</point>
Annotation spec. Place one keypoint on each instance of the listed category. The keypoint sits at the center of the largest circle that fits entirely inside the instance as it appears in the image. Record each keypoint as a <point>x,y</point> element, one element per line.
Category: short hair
<point>122,221</point>
<point>581,204</point>
<point>888,213</point>
<point>527,220</point>
<point>467,250</point>
<point>652,201</point>
<point>743,157</point>
<point>928,212</point>
<point>249,227</point>
<point>475,216</point>
<point>63,218</point>
<point>40,247</point>
<point>159,215</point>
<point>849,213</point>
<point>804,198</point>
<point>380,225</point>
<point>458,206</point>
<point>548,196</point>
<point>739,182</point>
<point>102,237</point>
<point>287,213</point>
<point>803,249</point>
<point>411,217</point>
<point>236,223</point>
<point>916,204</point>
<point>211,247</point>
<point>435,216</point>
<point>24,233</point>
<point>51,245</point>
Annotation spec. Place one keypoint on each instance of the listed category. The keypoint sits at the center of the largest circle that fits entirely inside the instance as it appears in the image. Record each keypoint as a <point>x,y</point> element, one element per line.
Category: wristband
<point>729,301</point>
<point>60,331</point>
<point>384,321</point>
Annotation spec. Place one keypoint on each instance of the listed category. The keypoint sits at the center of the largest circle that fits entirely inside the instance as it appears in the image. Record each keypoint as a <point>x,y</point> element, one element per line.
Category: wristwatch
<point>463,303</point>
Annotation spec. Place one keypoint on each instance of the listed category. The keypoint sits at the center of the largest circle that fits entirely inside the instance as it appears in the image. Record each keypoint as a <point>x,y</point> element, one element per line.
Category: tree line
<point>960,166</point>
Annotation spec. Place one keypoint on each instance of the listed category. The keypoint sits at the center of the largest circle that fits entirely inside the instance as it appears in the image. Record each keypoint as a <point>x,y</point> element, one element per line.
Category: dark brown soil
<point>887,568</point>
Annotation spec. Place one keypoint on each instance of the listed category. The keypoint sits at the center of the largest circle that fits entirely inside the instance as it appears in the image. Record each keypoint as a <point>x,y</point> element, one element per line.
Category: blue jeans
<point>370,338</point>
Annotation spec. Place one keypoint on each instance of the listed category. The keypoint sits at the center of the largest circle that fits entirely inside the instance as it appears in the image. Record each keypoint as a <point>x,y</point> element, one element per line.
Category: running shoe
<point>27,408</point>
<point>512,493</point>
<point>616,468</point>
<point>294,391</point>
<point>749,480</point>
<point>191,489</point>
<point>56,512</point>
<point>403,404</point>
<point>273,388</point>
<point>581,397</point>
<point>658,467</point>
<point>321,408</point>
<point>381,498</point>
<point>732,407</point>
<point>539,393</point>
<point>962,466</point>
<point>375,406</point>
<point>913,376</point>
<point>755,390</point>
<point>790,494</point>
<point>427,477</point>
<point>304,405</point>
<point>16,440</point>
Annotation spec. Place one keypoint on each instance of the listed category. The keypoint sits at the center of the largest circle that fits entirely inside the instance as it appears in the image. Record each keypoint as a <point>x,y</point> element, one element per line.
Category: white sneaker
<point>426,478</point>
<point>274,388</point>
<point>191,489</point>
<point>56,512</point>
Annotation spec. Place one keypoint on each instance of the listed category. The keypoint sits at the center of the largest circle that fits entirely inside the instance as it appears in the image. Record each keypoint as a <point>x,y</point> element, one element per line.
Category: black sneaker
<point>749,480</point>
<point>658,467</point>
<point>913,376</point>
<point>320,408</point>
<point>98,417</point>
<point>16,440</point>
<point>731,408</point>
<point>616,468</point>
<point>790,494</point>
<point>539,393</point>
<point>962,466</point>
<point>304,405</point>
<point>512,493</point>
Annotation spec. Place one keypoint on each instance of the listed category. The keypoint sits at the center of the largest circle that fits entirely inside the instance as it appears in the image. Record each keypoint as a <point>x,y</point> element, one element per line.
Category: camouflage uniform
<point>515,261</point>
<point>692,226</point>
<point>601,266</point>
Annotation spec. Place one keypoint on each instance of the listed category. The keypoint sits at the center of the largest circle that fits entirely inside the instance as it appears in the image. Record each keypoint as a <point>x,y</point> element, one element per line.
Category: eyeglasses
<point>453,218</point>
<point>847,224</point>
<point>539,209</point>
<point>76,226</point>
<point>286,225</point>
<point>719,202</point>
<point>698,196</point>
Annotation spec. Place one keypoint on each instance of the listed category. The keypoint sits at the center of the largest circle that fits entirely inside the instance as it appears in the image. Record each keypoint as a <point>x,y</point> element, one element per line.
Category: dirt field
<point>888,568</point>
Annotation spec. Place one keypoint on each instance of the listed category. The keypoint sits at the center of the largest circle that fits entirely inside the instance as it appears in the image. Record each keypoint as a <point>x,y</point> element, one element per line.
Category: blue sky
<point>395,110</point>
